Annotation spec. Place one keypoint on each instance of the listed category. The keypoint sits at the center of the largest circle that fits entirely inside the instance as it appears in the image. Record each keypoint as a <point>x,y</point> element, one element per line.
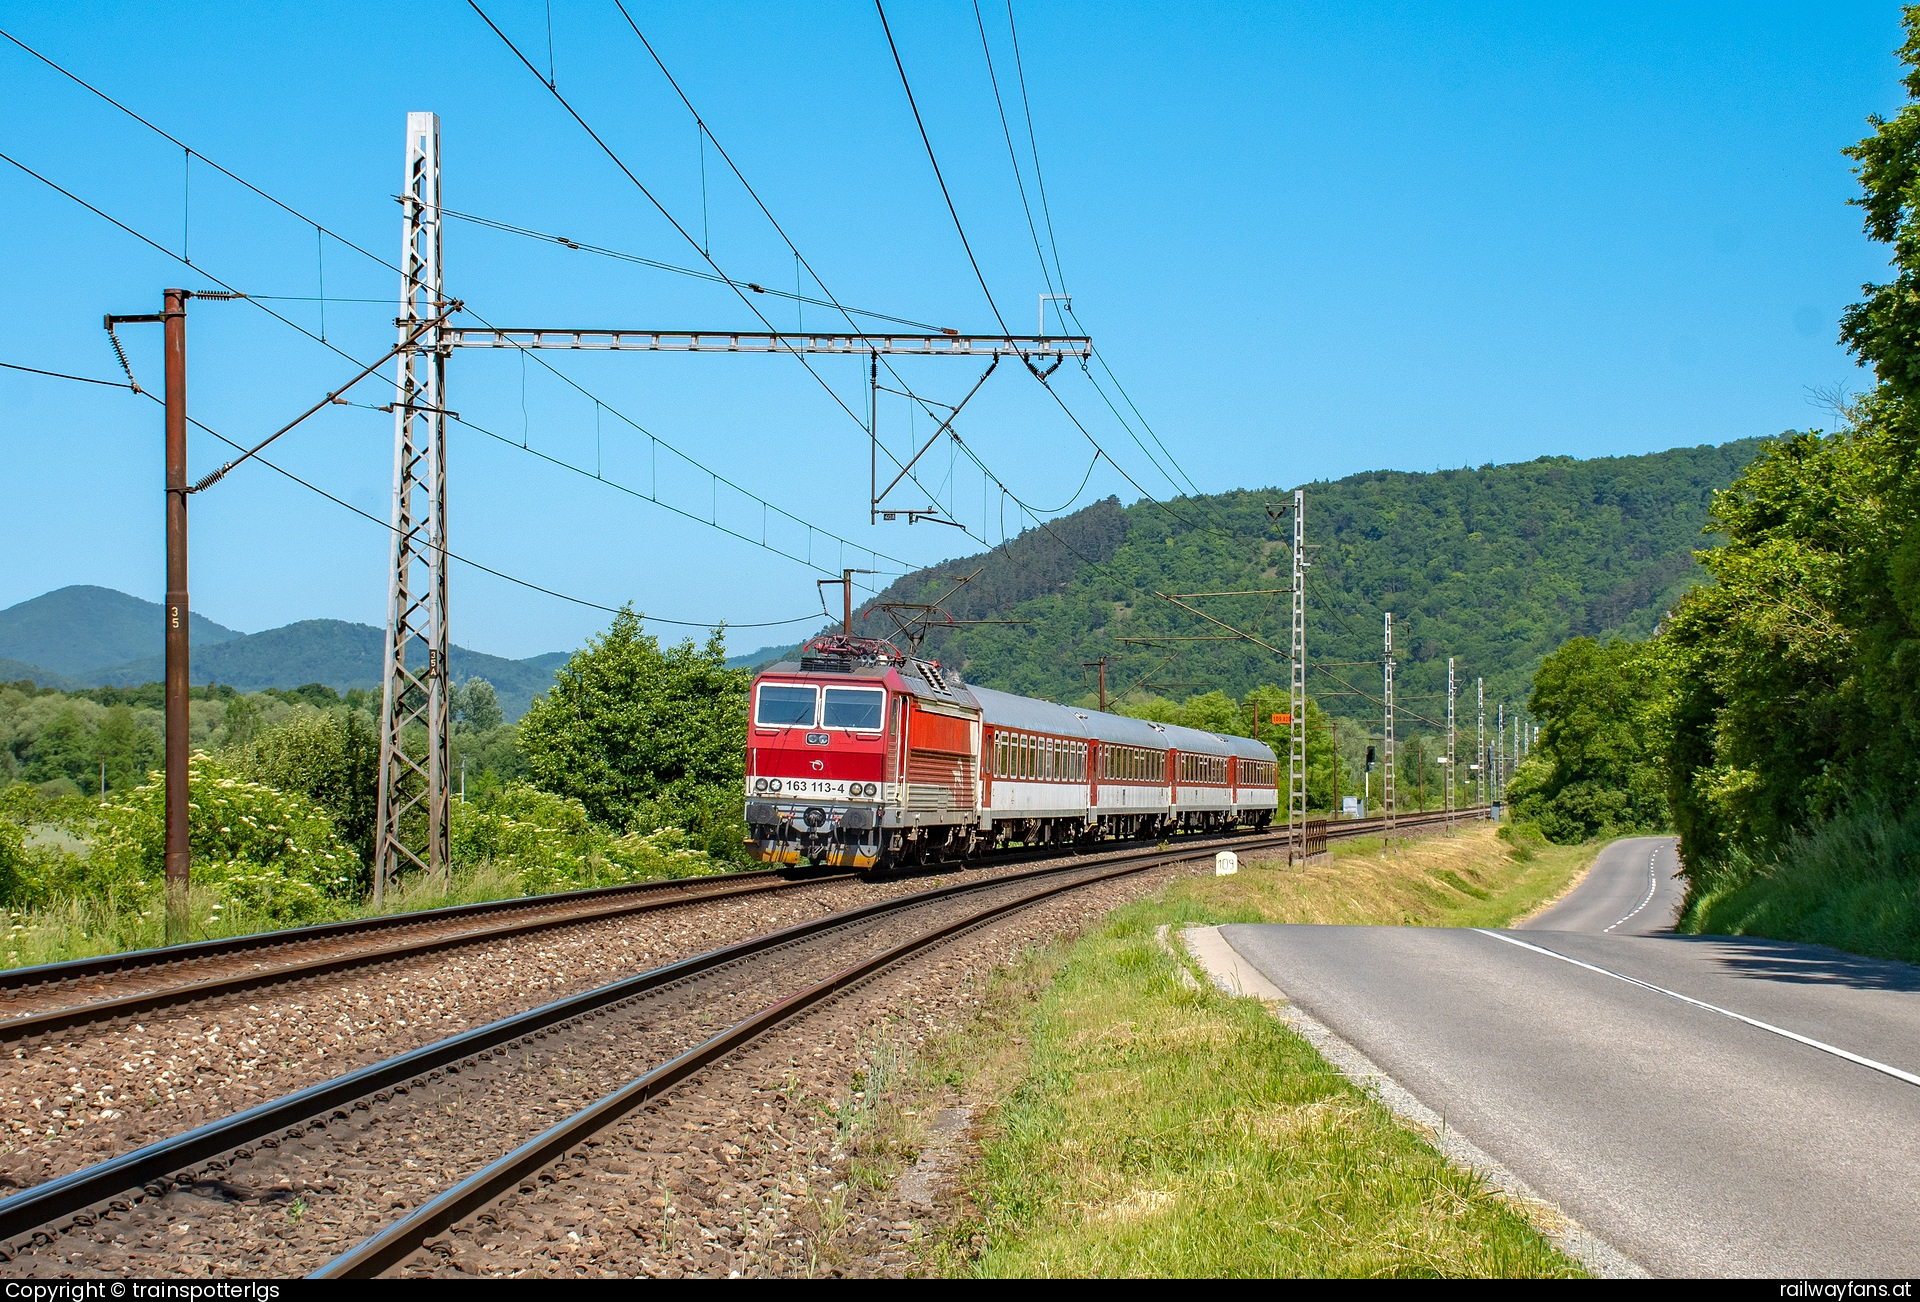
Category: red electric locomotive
<point>860,757</point>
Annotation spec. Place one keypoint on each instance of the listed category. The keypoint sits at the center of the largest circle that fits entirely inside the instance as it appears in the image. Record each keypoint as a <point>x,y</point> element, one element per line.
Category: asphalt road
<point>1631,890</point>
<point>1609,1071</point>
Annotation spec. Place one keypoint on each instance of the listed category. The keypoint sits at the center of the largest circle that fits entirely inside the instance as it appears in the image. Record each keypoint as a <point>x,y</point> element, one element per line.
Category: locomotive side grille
<point>945,779</point>
<point>921,795</point>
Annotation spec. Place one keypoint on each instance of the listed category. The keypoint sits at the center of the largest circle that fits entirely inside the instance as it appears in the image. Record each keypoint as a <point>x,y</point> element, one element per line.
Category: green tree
<point>63,749</point>
<point>1795,674</point>
<point>272,854</point>
<point>645,738</point>
<point>476,708</point>
<point>126,749</point>
<point>1214,711</point>
<point>1596,770</point>
<point>242,721</point>
<point>332,758</point>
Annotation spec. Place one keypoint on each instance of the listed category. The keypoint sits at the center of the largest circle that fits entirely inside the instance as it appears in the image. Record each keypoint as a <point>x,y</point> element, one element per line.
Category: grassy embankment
<point>1853,883</point>
<point>82,928</point>
<point>1138,1127</point>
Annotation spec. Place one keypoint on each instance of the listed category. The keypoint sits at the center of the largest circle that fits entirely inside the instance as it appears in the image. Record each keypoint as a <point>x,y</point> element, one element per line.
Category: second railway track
<point>52,998</point>
<point>619,1041</point>
<point>78,1098</point>
<point>426,1134</point>
<point>58,996</point>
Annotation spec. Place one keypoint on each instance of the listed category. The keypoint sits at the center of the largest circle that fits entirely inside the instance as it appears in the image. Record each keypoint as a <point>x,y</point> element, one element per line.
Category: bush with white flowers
<point>550,844</point>
<point>269,854</point>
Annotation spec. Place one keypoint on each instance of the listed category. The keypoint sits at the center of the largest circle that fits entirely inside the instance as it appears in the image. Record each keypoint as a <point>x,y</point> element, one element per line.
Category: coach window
<point>785,707</point>
<point>857,709</point>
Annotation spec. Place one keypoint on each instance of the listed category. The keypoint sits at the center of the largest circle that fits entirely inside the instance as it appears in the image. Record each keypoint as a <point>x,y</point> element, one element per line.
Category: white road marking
<point>1653,884</point>
<point>1821,1045</point>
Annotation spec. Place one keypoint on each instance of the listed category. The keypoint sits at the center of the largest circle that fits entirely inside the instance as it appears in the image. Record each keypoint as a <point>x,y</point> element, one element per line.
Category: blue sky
<point>1310,241</point>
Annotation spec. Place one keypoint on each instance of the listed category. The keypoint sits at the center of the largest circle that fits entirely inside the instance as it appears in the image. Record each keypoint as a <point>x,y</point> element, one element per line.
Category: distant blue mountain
<point>12,671</point>
<point>340,654</point>
<point>72,631</point>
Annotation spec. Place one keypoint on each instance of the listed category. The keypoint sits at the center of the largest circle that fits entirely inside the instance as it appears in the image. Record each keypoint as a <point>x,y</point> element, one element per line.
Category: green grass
<point>1471,879</point>
<point>1852,883</point>
<point>83,928</point>
<point>1138,1127</point>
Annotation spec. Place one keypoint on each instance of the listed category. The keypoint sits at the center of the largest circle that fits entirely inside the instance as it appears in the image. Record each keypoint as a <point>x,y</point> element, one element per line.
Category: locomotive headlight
<point>774,785</point>
<point>759,784</point>
<point>869,789</point>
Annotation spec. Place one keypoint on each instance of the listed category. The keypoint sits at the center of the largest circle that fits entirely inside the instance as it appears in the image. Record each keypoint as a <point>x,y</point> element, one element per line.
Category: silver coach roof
<point>1003,709</point>
<point>1248,748</point>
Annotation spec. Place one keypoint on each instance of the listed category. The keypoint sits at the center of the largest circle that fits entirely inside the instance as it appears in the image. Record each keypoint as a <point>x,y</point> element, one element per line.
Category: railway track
<point>591,1058</point>
<point>399,1131</point>
<point>59,996</point>
<point>52,998</point>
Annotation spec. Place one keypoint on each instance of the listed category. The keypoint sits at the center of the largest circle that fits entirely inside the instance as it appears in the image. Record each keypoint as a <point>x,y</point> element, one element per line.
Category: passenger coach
<point>860,757</point>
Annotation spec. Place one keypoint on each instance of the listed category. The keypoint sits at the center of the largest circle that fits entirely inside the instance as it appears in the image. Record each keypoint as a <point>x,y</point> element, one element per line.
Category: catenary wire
<point>665,213</point>
<point>288,208</point>
<point>693,272</point>
<point>1100,453</point>
<point>194,153</point>
<point>1026,207</point>
<point>1033,144</point>
<point>966,244</point>
<point>657,501</point>
<point>541,361</point>
<point>62,375</point>
<point>937,175</point>
<point>388,525</point>
<point>732,166</point>
<point>190,151</point>
<point>780,230</point>
<point>1013,157</point>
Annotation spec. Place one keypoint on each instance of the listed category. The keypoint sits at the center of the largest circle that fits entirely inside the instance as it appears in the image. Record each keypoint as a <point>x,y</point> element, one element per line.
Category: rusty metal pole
<point>846,599</point>
<point>178,861</point>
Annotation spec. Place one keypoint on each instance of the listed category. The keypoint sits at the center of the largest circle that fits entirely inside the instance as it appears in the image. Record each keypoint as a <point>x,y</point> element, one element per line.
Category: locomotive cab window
<point>856,708</point>
<point>785,706</point>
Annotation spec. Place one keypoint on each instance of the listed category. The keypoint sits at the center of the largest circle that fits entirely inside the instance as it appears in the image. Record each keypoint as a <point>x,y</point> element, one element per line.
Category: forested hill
<point>1495,566</point>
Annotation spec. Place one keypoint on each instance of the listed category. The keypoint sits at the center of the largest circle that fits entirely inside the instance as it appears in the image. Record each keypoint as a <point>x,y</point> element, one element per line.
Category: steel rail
<point>171,1159</point>
<point>401,1239</point>
<point>396,1242</point>
<point>603,902</point>
<point>111,964</point>
<point>98,1010</point>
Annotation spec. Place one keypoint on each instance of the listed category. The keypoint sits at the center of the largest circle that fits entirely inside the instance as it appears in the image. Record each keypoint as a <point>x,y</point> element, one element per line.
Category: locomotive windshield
<point>856,708</point>
<point>785,707</point>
